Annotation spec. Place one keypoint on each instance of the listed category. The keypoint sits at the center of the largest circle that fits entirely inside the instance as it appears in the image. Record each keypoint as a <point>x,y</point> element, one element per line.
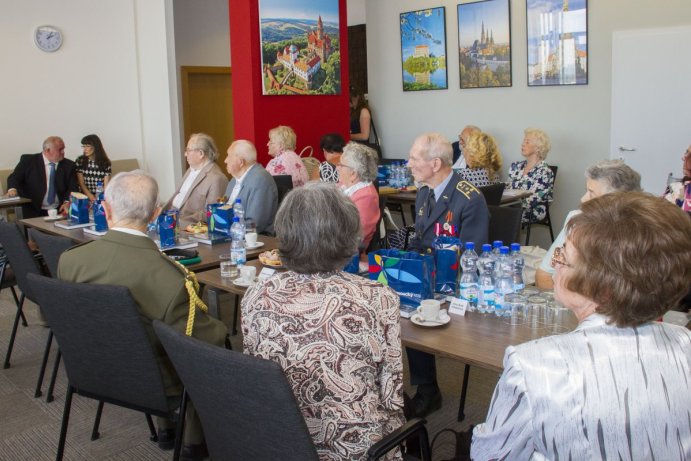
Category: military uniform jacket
<point>155,282</point>
<point>461,204</point>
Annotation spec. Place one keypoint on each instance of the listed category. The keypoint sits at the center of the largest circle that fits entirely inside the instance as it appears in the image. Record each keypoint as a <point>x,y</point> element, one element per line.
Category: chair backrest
<point>505,223</point>
<point>284,184</point>
<point>456,146</point>
<point>51,247</point>
<point>106,350</point>
<point>493,193</point>
<point>379,238</point>
<point>245,404</point>
<point>19,256</point>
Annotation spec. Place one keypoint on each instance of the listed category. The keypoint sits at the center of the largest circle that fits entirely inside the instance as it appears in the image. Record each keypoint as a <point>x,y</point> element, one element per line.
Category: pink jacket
<point>367,202</point>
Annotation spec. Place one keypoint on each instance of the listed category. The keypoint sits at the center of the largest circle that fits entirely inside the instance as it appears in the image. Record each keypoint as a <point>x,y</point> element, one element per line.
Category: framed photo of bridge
<point>300,47</point>
<point>557,42</point>
<point>423,49</point>
<point>484,44</point>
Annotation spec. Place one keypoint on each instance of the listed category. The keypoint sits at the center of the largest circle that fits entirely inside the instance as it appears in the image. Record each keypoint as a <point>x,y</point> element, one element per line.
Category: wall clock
<point>48,38</point>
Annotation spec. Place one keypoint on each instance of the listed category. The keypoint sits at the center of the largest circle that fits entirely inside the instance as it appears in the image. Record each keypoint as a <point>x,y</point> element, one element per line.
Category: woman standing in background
<point>93,166</point>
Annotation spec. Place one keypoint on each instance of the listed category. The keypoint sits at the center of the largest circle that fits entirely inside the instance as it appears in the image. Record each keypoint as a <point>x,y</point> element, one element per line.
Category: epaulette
<point>80,245</point>
<point>467,189</point>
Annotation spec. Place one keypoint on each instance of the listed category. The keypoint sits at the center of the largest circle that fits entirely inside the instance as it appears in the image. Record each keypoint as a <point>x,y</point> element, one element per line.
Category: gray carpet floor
<point>29,427</point>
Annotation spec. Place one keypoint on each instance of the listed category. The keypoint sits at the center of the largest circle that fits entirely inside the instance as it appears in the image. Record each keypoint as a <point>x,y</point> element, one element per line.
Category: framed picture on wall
<point>484,44</point>
<point>423,49</point>
<point>300,47</point>
<point>557,42</point>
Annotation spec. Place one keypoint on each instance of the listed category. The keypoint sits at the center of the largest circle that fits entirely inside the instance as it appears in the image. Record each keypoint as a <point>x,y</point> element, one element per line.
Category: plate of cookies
<point>271,259</point>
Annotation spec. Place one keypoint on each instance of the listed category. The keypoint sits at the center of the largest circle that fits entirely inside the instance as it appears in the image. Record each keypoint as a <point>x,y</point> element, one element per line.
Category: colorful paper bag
<point>410,274</point>
<point>79,208</point>
<point>447,256</point>
<point>167,228</point>
<point>219,217</point>
<point>100,217</point>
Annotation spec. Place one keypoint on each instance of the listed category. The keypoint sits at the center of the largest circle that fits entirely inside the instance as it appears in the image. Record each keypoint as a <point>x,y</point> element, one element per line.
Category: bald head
<point>241,155</point>
<point>131,199</point>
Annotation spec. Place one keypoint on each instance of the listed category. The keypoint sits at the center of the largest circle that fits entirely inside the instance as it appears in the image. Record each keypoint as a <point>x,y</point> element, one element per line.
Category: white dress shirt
<point>238,185</point>
<point>597,393</point>
<point>186,186</point>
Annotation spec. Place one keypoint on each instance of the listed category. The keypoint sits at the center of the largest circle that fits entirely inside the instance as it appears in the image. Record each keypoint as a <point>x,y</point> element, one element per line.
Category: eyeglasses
<point>559,258</point>
<point>187,151</point>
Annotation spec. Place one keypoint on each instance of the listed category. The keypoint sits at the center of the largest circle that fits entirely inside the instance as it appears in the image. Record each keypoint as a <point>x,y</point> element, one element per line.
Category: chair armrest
<point>397,437</point>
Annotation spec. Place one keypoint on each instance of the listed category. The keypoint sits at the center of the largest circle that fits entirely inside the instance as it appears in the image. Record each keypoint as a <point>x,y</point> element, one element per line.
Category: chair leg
<point>229,346</point>
<point>44,363</point>
<point>549,223</point>
<point>425,449</point>
<point>464,392</point>
<point>24,322</point>
<point>235,315</point>
<point>180,426</point>
<point>10,345</point>
<point>53,376</point>
<point>152,428</point>
<point>65,421</point>
<point>527,234</point>
<point>97,422</point>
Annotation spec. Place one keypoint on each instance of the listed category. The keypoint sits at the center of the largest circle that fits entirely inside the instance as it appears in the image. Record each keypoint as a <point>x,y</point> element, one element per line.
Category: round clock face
<point>48,38</point>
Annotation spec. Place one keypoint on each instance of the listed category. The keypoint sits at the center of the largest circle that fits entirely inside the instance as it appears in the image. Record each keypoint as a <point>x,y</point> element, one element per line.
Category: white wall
<point>111,77</point>
<point>202,34</point>
<point>577,118</point>
<point>356,12</point>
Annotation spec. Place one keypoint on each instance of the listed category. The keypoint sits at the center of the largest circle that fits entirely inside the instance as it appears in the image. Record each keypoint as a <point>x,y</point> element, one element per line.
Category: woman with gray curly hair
<point>336,335</point>
<point>357,170</point>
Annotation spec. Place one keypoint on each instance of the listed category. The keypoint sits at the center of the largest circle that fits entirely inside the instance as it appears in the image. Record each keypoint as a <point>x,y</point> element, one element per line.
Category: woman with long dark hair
<point>93,166</point>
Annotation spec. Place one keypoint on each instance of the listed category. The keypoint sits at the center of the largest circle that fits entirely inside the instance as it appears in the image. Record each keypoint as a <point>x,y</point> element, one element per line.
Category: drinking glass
<point>537,308</point>
<point>229,270</point>
<point>515,308</point>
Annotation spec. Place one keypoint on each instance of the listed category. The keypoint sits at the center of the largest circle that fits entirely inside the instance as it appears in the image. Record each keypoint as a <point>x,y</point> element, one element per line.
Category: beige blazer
<point>209,185</point>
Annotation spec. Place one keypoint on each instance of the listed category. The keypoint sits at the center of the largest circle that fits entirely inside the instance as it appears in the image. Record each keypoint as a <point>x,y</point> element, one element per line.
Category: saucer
<point>256,245</point>
<point>418,320</point>
<point>57,218</point>
<point>242,283</point>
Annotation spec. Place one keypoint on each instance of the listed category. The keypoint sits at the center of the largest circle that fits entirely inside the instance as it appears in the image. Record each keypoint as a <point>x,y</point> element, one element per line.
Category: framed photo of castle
<point>484,44</point>
<point>300,47</point>
<point>423,49</point>
<point>557,42</point>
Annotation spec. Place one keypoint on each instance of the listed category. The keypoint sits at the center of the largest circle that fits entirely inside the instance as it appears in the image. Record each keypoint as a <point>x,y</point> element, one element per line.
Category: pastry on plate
<point>198,228</point>
<point>270,258</point>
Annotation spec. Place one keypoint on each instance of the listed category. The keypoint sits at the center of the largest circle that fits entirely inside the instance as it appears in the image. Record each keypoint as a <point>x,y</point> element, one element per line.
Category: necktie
<point>51,184</point>
<point>431,201</point>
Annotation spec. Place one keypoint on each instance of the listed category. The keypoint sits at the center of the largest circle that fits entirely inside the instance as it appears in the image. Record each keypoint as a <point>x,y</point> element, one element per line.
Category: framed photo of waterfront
<point>423,49</point>
<point>557,42</point>
<point>300,47</point>
<point>484,44</point>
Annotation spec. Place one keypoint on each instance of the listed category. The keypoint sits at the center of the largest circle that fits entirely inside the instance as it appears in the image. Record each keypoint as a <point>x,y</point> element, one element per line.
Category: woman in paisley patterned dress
<point>92,166</point>
<point>285,161</point>
<point>618,386</point>
<point>533,174</point>
<point>336,335</point>
<point>482,158</point>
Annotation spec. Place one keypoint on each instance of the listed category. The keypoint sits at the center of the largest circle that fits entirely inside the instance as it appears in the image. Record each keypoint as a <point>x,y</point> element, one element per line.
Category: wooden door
<point>207,106</point>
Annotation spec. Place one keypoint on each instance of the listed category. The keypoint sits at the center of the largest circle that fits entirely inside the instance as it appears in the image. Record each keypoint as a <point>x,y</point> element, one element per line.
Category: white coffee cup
<point>429,309</point>
<point>251,239</point>
<point>53,213</point>
<point>248,273</point>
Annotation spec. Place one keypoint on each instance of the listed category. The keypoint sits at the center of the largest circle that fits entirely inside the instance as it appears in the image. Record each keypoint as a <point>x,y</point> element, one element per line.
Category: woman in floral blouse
<point>482,158</point>
<point>336,335</point>
<point>533,174</point>
<point>285,161</point>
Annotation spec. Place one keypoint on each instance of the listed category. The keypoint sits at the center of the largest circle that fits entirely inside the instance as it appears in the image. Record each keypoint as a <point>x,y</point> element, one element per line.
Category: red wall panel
<point>255,114</point>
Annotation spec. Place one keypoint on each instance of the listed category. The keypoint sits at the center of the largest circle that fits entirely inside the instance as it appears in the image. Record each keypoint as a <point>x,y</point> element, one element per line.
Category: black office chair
<point>493,193</point>
<point>256,415</point>
<point>51,247</point>
<point>107,353</point>
<point>505,223</point>
<point>547,220</point>
<point>284,184</point>
<point>23,263</point>
<point>379,239</point>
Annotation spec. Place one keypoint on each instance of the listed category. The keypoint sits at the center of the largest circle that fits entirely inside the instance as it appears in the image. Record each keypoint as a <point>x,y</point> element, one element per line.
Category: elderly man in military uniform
<point>454,203</point>
<point>126,256</point>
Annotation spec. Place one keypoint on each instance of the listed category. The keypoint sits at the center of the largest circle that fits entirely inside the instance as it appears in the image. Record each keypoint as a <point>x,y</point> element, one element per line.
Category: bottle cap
<point>238,200</point>
<point>497,243</point>
<point>236,219</point>
<point>469,245</point>
<point>504,250</point>
<point>486,247</point>
<point>515,247</point>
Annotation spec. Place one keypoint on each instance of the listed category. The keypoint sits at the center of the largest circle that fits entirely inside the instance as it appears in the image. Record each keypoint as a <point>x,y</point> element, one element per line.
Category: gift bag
<point>447,256</point>
<point>353,265</point>
<point>100,217</point>
<point>79,208</point>
<point>167,228</point>
<point>219,217</point>
<point>410,274</point>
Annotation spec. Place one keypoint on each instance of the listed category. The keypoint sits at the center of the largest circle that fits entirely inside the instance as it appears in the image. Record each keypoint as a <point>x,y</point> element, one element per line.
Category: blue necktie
<point>51,184</point>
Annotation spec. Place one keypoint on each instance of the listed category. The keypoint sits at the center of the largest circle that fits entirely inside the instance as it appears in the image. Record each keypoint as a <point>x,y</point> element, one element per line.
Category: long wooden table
<point>210,254</point>
<point>509,196</point>
<point>475,339</point>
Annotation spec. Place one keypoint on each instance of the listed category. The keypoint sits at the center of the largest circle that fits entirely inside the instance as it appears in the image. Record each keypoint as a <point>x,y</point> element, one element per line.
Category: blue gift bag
<point>410,274</point>
<point>79,209</point>
<point>100,217</point>
<point>167,228</point>
<point>219,217</point>
<point>447,256</point>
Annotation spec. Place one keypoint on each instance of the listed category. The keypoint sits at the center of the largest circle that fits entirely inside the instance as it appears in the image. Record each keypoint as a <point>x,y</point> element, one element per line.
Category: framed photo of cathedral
<point>300,44</point>
<point>557,42</point>
<point>484,44</point>
<point>423,50</point>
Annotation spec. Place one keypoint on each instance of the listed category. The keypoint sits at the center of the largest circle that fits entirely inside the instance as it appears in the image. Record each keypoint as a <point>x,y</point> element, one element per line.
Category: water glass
<point>514,305</point>
<point>547,296</point>
<point>229,270</point>
<point>537,308</point>
<point>528,292</point>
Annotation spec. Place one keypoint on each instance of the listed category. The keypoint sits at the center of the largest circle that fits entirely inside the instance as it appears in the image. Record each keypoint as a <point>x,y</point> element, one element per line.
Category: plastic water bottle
<point>239,212</point>
<point>496,245</point>
<point>469,291</point>
<point>503,280</point>
<point>99,190</point>
<point>485,282</point>
<point>238,254</point>
<point>518,263</point>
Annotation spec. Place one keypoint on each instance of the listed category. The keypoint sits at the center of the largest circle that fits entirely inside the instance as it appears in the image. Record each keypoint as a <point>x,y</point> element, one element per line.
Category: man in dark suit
<point>447,199</point>
<point>125,256</point>
<point>253,185</point>
<point>47,178</point>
